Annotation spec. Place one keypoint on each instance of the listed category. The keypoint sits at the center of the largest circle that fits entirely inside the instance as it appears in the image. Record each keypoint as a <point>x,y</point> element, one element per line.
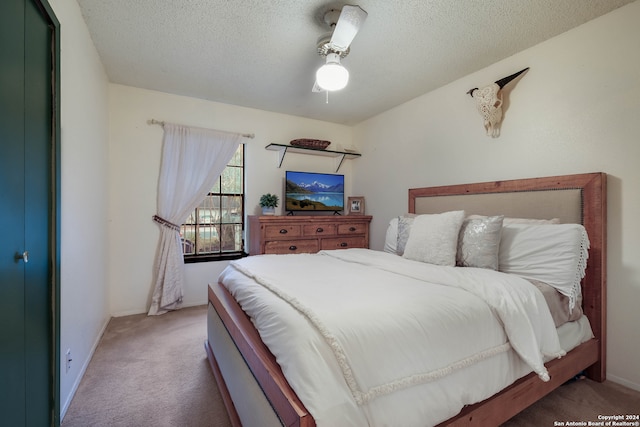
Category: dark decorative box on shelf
<point>317,144</point>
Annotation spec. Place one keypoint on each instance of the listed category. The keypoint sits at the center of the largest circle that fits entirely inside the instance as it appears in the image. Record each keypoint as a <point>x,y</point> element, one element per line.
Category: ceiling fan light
<point>332,75</point>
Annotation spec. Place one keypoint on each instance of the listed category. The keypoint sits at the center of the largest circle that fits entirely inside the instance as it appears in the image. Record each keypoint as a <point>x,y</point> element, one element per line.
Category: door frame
<point>54,215</point>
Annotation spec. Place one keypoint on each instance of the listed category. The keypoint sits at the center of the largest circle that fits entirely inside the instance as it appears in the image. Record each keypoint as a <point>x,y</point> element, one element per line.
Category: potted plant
<point>269,203</point>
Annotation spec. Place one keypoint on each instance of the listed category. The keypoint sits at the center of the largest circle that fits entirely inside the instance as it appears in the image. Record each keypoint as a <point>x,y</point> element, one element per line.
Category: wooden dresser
<point>306,234</point>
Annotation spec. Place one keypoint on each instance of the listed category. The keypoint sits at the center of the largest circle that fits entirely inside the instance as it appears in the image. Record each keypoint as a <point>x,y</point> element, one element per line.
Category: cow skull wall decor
<point>489,103</point>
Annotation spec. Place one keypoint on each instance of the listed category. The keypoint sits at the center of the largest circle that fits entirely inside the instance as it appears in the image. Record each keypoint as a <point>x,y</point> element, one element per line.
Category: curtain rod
<point>161,123</point>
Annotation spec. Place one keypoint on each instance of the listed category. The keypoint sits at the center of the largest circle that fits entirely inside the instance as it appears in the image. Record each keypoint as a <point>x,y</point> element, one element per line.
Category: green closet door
<point>26,150</point>
<point>12,309</point>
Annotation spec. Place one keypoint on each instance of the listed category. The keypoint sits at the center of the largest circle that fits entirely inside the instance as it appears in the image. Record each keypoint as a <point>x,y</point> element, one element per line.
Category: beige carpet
<point>152,371</point>
<point>581,401</point>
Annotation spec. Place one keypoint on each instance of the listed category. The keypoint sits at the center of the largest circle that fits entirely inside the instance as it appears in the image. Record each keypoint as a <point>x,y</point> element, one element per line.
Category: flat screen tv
<point>313,192</point>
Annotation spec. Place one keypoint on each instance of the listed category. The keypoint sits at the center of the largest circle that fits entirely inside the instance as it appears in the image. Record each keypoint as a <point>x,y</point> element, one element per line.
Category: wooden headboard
<point>577,198</point>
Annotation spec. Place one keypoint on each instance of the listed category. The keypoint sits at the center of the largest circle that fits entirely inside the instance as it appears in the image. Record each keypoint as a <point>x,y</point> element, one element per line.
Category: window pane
<point>188,238</point>
<point>209,211</point>
<point>191,219</point>
<point>232,180</point>
<point>216,187</point>
<point>237,159</point>
<point>231,209</point>
<point>208,239</point>
<point>231,239</point>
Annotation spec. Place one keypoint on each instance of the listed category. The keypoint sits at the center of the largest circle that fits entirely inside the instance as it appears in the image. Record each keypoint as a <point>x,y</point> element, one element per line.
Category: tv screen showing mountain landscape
<point>307,191</point>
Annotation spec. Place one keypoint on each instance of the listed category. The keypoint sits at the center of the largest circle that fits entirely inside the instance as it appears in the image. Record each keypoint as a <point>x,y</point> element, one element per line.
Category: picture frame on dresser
<point>355,205</point>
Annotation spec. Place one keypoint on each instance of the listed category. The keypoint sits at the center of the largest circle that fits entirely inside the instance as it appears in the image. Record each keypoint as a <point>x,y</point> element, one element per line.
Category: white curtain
<point>192,160</point>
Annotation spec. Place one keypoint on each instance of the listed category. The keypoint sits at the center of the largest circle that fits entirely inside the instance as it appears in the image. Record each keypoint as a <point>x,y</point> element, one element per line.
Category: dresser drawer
<point>344,243</point>
<point>306,233</point>
<point>284,231</point>
<point>319,230</point>
<point>354,228</point>
<point>291,246</point>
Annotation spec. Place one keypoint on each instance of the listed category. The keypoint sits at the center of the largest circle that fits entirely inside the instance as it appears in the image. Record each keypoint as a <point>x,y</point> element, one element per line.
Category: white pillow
<point>434,238</point>
<point>552,253</point>
<point>391,238</point>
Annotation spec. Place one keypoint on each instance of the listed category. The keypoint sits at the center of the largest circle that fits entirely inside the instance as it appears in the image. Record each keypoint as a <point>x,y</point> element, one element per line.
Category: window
<point>214,230</point>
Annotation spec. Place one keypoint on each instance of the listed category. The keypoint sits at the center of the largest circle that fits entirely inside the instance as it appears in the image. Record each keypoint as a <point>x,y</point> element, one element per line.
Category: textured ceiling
<point>262,53</point>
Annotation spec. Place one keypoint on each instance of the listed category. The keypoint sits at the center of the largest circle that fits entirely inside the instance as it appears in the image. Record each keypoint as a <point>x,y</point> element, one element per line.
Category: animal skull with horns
<point>489,103</point>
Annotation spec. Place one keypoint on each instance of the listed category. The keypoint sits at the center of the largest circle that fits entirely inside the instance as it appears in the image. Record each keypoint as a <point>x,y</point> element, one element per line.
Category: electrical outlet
<point>68,360</point>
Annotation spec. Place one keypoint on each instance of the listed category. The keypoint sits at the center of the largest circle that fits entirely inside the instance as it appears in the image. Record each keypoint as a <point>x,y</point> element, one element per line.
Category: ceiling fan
<point>345,24</point>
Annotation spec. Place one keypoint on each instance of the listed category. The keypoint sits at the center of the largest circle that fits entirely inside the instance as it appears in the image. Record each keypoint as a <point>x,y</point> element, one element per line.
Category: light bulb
<point>332,76</point>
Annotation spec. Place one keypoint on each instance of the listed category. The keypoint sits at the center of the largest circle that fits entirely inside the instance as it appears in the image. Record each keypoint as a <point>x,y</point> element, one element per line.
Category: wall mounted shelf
<point>340,156</point>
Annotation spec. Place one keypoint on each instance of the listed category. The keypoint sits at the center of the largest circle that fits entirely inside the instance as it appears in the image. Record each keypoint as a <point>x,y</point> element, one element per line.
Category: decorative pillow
<point>391,238</point>
<point>434,238</point>
<point>479,242</point>
<point>404,229</point>
<point>555,254</point>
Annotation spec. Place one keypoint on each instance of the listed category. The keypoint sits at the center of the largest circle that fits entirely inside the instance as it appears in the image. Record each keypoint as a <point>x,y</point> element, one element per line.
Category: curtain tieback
<point>166,223</point>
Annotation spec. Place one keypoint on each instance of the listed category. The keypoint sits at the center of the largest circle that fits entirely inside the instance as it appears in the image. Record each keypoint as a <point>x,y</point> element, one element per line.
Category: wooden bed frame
<point>589,356</point>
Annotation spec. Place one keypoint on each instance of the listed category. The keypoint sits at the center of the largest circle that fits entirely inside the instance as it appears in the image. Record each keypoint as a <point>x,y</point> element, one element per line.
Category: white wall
<point>134,164</point>
<point>84,310</point>
<point>576,110</point>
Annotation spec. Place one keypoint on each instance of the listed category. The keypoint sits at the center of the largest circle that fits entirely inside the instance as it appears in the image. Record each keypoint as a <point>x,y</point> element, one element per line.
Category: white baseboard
<point>129,312</point>
<point>185,304</point>
<point>76,384</point>
<point>624,382</point>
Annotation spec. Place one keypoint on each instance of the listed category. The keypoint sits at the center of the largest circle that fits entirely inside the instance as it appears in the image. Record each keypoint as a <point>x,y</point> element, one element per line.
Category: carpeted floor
<point>152,371</point>
<point>580,402</point>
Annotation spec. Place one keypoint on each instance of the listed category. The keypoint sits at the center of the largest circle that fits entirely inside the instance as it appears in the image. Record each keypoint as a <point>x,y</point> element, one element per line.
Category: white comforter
<point>363,335</point>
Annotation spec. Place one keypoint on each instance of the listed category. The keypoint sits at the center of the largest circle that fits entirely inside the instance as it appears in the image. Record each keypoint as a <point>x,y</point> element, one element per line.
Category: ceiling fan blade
<point>348,25</point>
<point>317,88</point>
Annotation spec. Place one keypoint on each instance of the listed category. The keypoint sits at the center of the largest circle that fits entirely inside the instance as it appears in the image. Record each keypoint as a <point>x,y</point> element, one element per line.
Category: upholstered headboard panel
<point>565,204</point>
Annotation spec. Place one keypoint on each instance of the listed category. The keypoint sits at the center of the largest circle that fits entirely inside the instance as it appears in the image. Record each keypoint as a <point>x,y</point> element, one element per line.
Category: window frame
<point>221,256</point>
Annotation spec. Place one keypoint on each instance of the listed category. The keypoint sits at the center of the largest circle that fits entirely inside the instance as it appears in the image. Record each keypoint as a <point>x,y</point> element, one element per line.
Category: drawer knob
<point>283,231</point>
<point>352,229</point>
<point>293,248</point>
<point>319,230</point>
<point>344,244</point>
